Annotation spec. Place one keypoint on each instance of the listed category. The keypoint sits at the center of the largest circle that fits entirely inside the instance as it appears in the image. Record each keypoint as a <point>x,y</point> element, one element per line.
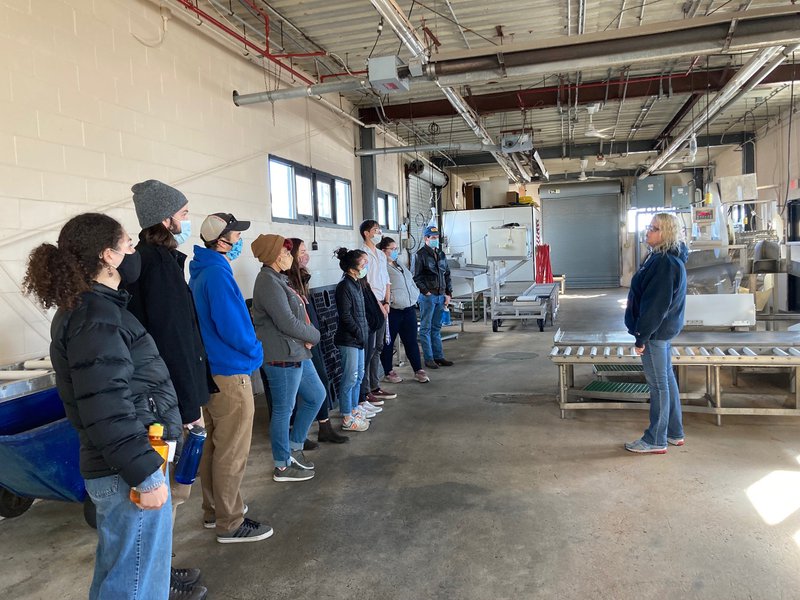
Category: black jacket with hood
<point>113,384</point>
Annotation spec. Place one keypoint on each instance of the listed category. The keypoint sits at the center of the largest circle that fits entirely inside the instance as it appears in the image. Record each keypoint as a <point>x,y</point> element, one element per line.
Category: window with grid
<point>301,194</point>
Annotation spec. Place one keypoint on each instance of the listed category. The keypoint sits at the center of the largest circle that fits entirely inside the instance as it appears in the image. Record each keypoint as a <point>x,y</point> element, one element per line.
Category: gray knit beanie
<point>156,201</point>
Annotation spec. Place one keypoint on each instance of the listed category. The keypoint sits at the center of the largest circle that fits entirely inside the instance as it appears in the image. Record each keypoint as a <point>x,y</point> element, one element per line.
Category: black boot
<point>310,445</point>
<point>328,434</point>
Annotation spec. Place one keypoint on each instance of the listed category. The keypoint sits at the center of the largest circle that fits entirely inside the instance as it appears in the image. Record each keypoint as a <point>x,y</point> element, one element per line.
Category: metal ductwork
<point>457,147</point>
<point>749,76</point>
<point>751,29</point>
<point>300,92</point>
<point>428,173</point>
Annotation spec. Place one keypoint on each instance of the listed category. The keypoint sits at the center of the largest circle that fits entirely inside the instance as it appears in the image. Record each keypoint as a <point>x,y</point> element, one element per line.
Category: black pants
<point>373,370</point>
<point>403,322</point>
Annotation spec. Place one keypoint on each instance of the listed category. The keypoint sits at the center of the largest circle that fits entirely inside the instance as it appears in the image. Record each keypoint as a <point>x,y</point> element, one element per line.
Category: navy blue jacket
<point>657,297</point>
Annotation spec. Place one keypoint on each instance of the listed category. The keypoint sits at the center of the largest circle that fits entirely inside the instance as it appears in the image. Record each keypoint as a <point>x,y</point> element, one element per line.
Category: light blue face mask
<point>236,250</point>
<point>434,243</point>
<point>185,233</point>
<point>395,253</point>
<point>363,272</point>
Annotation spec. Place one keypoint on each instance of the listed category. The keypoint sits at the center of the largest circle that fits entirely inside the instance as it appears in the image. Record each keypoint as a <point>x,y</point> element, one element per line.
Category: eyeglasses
<point>652,228</point>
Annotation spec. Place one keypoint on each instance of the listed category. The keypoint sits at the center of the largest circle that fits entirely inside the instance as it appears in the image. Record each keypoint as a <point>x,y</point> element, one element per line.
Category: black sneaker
<point>443,362</point>
<point>184,576</point>
<point>248,531</point>
<point>300,461</point>
<point>212,524</point>
<point>180,591</point>
<point>292,474</point>
<point>431,364</point>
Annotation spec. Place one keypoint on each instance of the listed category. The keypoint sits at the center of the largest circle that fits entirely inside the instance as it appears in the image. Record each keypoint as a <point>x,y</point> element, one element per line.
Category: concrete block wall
<point>88,110</point>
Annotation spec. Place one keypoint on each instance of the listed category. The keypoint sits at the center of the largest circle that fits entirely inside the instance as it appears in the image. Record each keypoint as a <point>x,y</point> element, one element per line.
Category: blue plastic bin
<point>39,449</point>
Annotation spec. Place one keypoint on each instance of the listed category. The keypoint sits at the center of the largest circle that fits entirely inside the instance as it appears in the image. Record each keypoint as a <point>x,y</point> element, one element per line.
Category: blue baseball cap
<point>431,231</point>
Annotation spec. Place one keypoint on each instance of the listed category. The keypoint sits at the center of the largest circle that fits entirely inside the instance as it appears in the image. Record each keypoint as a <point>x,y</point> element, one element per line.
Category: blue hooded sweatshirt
<point>225,323</point>
<point>657,297</point>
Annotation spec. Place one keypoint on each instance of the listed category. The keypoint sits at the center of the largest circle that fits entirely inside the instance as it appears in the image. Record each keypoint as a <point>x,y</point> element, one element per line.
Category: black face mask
<point>130,268</point>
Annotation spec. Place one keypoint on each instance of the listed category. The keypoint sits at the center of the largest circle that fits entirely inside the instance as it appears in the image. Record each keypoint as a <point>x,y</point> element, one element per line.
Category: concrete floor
<point>472,487</point>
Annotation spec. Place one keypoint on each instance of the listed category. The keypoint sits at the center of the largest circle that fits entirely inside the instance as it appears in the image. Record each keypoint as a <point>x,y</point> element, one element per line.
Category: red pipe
<point>324,77</point>
<point>261,51</point>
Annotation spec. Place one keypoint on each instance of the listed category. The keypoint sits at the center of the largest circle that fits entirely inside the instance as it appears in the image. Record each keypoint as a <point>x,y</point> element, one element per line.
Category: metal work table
<point>751,339</point>
<point>710,350</point>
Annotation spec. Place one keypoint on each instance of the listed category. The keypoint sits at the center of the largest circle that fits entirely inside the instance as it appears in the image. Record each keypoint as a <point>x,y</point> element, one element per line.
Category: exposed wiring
<point>338,59</point>
<point>165,17</point>
<point>378,37</point>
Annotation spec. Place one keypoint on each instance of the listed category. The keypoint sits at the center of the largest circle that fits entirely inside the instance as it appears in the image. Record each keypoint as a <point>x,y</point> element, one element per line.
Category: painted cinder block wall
<point>86,110</point>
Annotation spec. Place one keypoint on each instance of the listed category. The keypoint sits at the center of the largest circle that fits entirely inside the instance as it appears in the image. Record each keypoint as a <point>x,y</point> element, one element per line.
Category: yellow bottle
<point>155,432</point>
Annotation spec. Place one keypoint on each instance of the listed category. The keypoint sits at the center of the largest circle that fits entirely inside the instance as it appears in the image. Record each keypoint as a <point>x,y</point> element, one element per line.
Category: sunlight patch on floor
<point>776,496</point>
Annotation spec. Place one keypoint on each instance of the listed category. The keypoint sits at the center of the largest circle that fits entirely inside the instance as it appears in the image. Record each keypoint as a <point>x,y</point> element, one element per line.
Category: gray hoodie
<point>404,292</point>
<point>279,316</point>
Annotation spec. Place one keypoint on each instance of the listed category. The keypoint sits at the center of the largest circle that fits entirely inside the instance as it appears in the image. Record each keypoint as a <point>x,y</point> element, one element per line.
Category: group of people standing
<point>133,344</point>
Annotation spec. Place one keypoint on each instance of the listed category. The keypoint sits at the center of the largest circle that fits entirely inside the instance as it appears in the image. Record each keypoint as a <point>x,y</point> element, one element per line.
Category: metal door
<point>583,234</point>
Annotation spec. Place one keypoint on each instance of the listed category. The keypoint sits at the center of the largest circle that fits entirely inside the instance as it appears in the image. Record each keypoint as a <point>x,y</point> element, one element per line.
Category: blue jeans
<point>352,374</point>
<point>430,325</point>
<point>402,321</point>
<point>134,546</point>
<point>665,402</point>
<point>285,383</point>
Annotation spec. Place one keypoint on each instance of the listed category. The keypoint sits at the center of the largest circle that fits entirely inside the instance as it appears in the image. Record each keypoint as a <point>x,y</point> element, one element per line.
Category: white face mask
<point>376,238</point>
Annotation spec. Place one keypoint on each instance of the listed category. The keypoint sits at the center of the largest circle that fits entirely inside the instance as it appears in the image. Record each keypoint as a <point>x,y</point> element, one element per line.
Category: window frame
<point>383,197</point>
<point>316,176</point>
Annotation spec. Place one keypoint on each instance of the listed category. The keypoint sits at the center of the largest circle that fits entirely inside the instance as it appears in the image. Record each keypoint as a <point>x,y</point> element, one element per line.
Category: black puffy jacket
<point>431,272</point>
<point>162,301</point>
<point>113,384</point>
<point>352,329</point>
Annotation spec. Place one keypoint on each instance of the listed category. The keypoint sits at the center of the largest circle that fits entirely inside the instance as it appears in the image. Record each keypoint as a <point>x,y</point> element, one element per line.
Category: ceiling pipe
<point>749,76</point>
<point>300,92</point>
<point>690,37</point>
<point>460,146</point>
<point>393,15</point>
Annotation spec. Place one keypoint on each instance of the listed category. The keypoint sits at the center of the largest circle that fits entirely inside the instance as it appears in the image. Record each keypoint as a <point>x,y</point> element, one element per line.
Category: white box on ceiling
<point>383,74</point>
<point>508,243</point>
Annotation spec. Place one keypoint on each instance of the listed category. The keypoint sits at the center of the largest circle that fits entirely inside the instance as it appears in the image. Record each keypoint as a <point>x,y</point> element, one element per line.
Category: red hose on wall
<point>544,270</point>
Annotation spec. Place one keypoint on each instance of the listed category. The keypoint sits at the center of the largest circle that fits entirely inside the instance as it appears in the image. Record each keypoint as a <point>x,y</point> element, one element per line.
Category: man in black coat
<point>162,301</point>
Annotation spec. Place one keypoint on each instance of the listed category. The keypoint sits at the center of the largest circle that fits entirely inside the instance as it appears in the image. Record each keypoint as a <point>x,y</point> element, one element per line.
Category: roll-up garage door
<point>580,222</point>
<point>419,202</point>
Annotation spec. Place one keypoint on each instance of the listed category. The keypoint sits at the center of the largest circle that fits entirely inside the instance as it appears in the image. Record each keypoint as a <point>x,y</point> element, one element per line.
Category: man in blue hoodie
<point>233,353</point>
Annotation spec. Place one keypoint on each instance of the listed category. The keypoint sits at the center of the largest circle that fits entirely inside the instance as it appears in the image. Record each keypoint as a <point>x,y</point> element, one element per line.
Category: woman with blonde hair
<point>654,316</point>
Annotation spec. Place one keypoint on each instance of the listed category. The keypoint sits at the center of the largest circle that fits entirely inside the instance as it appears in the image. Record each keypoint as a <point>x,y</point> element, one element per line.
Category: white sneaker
<point>362,413</point>
<point>370,407</point>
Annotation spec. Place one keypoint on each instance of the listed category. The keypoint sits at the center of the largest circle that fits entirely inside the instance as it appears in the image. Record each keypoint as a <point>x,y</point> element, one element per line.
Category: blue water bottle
<point>189,460</point>
<point>446,320</point>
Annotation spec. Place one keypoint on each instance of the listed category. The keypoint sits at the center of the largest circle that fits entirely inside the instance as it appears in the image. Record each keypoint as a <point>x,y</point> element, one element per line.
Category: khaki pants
<point>229,425</point>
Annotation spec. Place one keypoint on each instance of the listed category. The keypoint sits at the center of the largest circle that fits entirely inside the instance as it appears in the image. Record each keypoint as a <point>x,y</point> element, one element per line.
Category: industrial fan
<point>591,130</point>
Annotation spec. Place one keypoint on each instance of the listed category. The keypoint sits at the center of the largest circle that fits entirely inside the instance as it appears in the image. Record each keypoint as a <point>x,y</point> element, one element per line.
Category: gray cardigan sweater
<point>280,319</point>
